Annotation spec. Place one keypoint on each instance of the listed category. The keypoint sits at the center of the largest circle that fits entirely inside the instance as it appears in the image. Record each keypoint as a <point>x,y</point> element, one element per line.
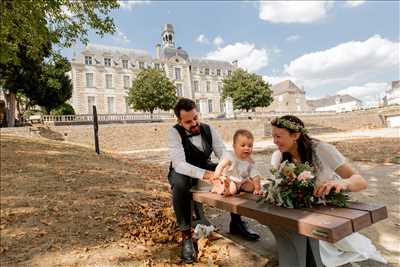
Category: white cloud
<point>202,39</point>
<point>120,37</point>
<point>249,57</point>
<point>347,62</point>
<point>218,41</point>
<point>131,4</point>
<point>277,79</point>
<point>293,11</point>
<point>354,3</point>
<point>369,93</point>
<point>293,38</point>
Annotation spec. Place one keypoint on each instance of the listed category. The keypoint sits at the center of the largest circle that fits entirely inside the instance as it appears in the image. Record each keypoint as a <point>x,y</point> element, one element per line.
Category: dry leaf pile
<point>150,223</point>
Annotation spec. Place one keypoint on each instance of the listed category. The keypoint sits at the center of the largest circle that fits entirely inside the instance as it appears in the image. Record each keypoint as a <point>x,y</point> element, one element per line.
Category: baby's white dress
<point>239,170</point>
<point>354,247</point>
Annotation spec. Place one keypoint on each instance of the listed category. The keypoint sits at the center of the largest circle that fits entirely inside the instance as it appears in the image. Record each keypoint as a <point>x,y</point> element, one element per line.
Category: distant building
<point>101,75</point>
<point>392,96</point>
<point>287,97</point>
<point>337,103</point>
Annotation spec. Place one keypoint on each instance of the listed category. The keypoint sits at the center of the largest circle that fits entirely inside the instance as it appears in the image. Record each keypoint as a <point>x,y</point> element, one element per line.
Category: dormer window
<point>107,62</point>
<point>88,60</point>
<point>125,63</point>
<point>141,65</point>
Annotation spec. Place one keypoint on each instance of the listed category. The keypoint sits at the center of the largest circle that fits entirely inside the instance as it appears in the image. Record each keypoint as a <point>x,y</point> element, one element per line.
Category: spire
<point>167,36</point>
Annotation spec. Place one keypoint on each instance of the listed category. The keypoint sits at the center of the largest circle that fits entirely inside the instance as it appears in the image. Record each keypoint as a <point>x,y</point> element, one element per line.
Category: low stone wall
<point>143,136</point>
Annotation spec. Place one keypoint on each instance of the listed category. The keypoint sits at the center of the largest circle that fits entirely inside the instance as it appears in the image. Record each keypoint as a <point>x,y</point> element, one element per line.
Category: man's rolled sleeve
<point>178,158</point>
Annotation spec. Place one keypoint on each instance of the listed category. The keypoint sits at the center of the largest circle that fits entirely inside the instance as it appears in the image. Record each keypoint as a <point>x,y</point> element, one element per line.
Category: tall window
<point>157,66</point>
<point>126,82</point>
<point>107,62</point>
<point>125,63</point>
<point>197,101</point>
<point>178,74</point>
<point>109,81</point>
<point>110,104</point>
<point>208,86</point>
<point>218,72</point>
<point>221,105</point>
<point>91,103</point>
<point>196,86</point>
<point>207,71</point>
<point>219,88</point>
<point>210,107</point>
<point>229,72</point>
<point>179,89</point>
<point>141,65</point>
<point>88,60</point>
<point>89,80</point>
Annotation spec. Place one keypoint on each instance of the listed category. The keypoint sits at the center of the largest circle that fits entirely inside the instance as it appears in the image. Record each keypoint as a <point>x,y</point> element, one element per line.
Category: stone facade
<point>101,76</point>
<point>287,97</point>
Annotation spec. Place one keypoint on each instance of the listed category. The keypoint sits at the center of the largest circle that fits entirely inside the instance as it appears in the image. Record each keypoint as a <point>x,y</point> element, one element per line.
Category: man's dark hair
<point>185,104</point>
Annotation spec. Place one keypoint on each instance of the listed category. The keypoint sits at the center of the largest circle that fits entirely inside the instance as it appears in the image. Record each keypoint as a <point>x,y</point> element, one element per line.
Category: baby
<point>236,171</point>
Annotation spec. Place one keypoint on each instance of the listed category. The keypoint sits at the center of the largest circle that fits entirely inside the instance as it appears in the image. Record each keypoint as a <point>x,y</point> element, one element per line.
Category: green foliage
<point>63,109</point>
<point>247,90</point>
<point>150,90</point>
<point>35,23</point>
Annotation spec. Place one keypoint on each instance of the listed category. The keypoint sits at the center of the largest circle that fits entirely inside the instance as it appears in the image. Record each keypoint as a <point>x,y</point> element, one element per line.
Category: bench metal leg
<point>292,249</point>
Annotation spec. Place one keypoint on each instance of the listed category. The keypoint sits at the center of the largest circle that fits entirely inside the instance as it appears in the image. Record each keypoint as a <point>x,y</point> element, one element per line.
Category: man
<point>190,146</point>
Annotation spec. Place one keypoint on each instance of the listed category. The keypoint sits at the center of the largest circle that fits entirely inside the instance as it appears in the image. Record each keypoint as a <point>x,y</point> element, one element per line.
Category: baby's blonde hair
<point>242,132</point>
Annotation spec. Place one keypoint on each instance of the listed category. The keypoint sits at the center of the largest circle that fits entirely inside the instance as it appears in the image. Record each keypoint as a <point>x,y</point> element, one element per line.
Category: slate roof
<point>331,100</point>
<point>286,86</point>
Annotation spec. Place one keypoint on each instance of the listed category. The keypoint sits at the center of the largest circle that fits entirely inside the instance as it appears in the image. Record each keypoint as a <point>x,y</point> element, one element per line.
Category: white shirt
<point>327,160</point>
<point>177,153</point>
<point>239,170</point>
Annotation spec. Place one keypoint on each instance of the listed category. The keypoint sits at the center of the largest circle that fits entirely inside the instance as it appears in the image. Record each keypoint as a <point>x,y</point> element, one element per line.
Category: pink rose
<point>305,175</point>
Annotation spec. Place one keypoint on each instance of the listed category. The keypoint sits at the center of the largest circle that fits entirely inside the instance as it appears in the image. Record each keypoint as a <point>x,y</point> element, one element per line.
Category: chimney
<point>235,63</point>
<point>158,51</point>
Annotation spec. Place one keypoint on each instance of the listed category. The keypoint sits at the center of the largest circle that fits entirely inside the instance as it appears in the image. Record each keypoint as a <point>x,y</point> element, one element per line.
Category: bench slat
<point>359,218</point>
<point>315,225</point>
<point>378,212</point>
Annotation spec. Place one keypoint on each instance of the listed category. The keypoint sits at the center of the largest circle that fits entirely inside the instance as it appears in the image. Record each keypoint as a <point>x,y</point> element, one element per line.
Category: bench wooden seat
<point>323,222</point>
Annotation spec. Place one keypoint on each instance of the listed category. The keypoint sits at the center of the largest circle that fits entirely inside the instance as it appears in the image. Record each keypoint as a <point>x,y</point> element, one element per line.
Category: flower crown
<point>287,124</point>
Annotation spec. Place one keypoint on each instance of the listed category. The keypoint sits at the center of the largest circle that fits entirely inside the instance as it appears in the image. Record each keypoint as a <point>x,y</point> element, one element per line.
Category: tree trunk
<point>10,108</point>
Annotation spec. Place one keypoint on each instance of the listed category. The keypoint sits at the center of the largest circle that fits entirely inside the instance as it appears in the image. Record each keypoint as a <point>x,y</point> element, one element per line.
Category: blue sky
<point>326,47</point>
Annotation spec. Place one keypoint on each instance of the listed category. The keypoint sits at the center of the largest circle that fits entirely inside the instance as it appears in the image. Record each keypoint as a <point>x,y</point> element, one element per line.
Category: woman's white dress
<point>354,247</point>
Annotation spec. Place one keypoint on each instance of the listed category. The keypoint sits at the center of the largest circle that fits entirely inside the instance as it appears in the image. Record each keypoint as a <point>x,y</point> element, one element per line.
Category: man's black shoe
<point>188,251</point>
<point>239,228</point>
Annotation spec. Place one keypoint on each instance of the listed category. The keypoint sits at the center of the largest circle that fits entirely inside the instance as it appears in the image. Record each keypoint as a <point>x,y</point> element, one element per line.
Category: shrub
<point>63,109</point>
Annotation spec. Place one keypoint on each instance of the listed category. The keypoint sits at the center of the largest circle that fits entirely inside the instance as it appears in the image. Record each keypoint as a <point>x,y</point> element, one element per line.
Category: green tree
<point>62,22</point>
<point>31,28</point>
<point>151,90</point>
<point>247,90</point>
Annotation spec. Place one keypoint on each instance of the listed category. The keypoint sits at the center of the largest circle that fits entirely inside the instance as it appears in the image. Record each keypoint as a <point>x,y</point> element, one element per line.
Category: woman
<point>294,145</point>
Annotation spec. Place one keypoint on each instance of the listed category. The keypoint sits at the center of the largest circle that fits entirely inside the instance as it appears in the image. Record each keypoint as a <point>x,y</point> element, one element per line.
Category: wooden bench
<point>326,223</point>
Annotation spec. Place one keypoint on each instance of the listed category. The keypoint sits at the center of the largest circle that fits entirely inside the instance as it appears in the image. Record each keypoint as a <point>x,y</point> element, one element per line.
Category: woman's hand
<point>324,189</point>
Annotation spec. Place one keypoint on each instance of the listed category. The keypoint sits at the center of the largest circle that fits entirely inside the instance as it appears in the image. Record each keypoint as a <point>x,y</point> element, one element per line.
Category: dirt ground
<point>63,205</point>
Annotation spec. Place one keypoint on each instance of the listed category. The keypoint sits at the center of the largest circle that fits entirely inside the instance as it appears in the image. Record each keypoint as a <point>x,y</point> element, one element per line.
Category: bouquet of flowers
<point>293,187</point>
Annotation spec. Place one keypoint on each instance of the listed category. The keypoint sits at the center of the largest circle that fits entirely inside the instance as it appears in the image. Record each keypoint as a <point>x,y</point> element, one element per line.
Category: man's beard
<point>195,129</point>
